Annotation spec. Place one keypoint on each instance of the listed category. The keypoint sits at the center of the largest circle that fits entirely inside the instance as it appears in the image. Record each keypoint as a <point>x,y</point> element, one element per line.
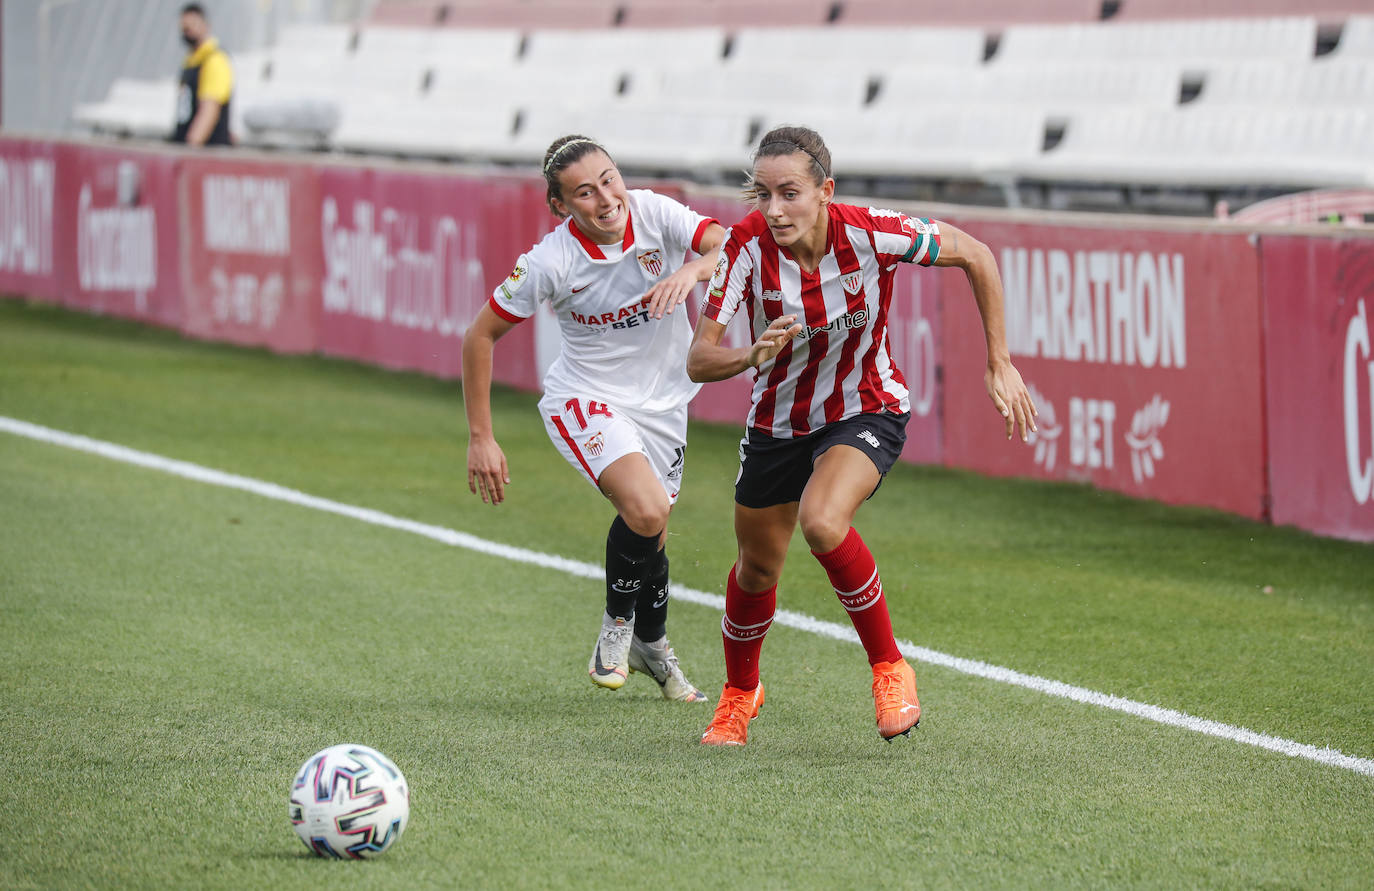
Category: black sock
<point>627,553</point>
<point>652,606</point>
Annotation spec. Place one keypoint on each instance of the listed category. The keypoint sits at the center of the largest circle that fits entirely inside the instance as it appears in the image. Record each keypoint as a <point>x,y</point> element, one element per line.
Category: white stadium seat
<point>626,47</point>
<point>1325,82</point>
<point>1058,89</point>
<point>1357,39</point>
<point>872,50</point>
<point>141,108</point>
<point>1195,43</point>
<point>1201,146</point>
<point>424,128</point>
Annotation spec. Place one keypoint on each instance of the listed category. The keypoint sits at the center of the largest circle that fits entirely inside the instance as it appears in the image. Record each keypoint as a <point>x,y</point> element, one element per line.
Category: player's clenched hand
<point>665,295</point>
<point>773,339</point>
<point>1008,393</point>
<point>488,474</point>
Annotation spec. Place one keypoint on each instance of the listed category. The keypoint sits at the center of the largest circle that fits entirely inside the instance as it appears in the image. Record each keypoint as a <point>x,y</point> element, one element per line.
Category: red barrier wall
<point>1319,338</point>
<point>250,252</point>
<point>119,250</point>
<point>409,259</point>
<point>29,218</point>
<point>1143,352</point>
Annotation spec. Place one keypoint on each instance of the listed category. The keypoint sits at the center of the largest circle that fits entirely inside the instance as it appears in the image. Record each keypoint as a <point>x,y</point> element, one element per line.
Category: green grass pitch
<point>173,651</point>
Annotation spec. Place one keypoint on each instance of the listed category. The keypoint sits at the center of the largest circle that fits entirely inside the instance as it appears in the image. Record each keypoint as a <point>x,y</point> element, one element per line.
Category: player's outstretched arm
<point>488,474</point>
<point>665,295</point>
<point>1004,385</point>
<point>707,360</point>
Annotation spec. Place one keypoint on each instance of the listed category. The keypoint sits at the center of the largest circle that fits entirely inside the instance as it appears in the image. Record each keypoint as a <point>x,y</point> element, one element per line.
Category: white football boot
<point>611,656</point>
<point>660,662</point>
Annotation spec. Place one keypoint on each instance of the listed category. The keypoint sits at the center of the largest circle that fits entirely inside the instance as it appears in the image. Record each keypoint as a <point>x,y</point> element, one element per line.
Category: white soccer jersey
<point>611,349</point>
<point>840,365</point>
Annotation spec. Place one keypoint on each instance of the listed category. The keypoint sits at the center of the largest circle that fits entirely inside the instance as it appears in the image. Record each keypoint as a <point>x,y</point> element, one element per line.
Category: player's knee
<point>646,515</point>
<point>754,574</point>
<point>823,530</point>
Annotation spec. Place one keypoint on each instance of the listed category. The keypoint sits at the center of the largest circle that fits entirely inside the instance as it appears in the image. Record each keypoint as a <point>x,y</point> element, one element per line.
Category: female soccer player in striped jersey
<point>829,411</point>
<point>615,399</point>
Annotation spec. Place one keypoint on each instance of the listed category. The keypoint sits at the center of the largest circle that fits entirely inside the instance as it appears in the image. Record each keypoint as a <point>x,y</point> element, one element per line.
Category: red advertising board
<point>119,253</point>
<point>410,257</point>
<point>29,219</point>
<point>250,249</point>
<point>1319,339</point>
<point>1142,351</point>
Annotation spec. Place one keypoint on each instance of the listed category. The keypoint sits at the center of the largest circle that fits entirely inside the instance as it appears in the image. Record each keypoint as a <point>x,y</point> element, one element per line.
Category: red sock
<point>747,617</point>
<point>855,578</point>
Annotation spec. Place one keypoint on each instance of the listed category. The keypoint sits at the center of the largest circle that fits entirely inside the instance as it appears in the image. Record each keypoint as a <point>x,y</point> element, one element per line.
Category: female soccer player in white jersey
<point>615,399</point>
<point>829,410</point>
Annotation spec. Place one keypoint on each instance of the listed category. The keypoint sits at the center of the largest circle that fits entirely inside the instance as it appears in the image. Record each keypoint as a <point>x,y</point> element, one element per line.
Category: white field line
<point>787,618</point>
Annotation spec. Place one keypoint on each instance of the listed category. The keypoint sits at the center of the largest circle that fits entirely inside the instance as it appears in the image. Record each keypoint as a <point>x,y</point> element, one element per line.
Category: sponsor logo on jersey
<point>595,444</point>
<point>581,288</point>
<point>846,322</point>
<point>625,317</point>
<point>652,261</point>
<point>769,294</point>
<point>852,282</point>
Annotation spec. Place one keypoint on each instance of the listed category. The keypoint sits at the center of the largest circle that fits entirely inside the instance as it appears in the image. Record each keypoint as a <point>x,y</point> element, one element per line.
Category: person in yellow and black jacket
<point>207,84</point>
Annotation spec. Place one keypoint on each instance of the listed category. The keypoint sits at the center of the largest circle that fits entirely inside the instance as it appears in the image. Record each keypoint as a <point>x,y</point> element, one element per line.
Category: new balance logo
<point>868,437</point>
<point>772,295</point>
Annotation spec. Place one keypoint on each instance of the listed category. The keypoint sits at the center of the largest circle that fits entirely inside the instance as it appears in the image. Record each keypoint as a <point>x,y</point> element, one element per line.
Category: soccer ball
<point>349,801</point>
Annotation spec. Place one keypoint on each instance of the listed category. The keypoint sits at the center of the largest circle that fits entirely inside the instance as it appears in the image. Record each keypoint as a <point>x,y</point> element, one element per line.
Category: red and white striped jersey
<point>840,364</point>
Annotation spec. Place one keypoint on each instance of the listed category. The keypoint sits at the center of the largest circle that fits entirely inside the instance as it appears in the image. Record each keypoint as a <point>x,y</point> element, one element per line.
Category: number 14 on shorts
<point>574,407</point>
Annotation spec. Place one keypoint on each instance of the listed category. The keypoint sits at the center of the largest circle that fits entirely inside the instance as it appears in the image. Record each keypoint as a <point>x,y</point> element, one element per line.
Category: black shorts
<point>775,471</point>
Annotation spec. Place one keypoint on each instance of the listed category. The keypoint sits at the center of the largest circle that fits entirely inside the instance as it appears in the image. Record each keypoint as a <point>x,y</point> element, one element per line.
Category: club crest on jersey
<point>595,444</point>
<point>852,282</point>
<point>652,261</point>
<point>718,277</point>
<point>516,278</point>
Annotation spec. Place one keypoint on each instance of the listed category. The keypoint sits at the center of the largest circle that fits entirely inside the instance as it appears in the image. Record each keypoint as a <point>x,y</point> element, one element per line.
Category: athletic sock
<point>626,555</point>
<point>854,576</point>
<point>746,620</point>
<point>651,607</point>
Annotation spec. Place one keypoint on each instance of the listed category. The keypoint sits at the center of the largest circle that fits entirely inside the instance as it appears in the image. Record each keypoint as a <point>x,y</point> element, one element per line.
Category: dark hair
<point>194,9</point>
<point>564,152</point>
<point>783,141</point>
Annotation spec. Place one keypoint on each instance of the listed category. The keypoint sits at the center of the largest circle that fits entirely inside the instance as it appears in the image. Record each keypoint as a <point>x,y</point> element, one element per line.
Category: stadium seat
<point>623,48</point>
<point>1208,147</point>
<point>993,14</point>
<point>1321,83</point>
<point>871,49</point>
<point>1058,90</point>
<point>702,143</point>
<point>524,85</point>
<point>321,39</point>
<point>1357,39</point>
<point>139,108</point>
<point>1199,44</point>
<point>423,128</point>
<point>978,143</point>
<point>491,48</point>
<point>751,89</point>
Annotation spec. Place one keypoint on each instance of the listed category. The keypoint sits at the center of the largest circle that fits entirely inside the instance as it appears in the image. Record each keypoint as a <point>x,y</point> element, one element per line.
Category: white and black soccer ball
<point>349,801</point>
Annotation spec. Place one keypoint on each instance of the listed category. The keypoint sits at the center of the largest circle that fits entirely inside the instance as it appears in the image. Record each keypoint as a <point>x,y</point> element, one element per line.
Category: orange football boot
<point>730,724</point>
<point>894,696</point>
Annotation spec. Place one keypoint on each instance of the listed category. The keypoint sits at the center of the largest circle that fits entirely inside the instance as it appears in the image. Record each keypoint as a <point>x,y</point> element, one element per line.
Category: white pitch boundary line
<point>786,618</point>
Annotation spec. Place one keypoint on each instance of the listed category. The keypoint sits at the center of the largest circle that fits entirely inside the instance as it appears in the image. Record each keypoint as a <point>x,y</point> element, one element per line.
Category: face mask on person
<point>188,39</point>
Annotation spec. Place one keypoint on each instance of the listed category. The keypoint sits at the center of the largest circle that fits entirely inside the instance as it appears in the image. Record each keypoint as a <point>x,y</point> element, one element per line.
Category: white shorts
<point>590,435</point>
